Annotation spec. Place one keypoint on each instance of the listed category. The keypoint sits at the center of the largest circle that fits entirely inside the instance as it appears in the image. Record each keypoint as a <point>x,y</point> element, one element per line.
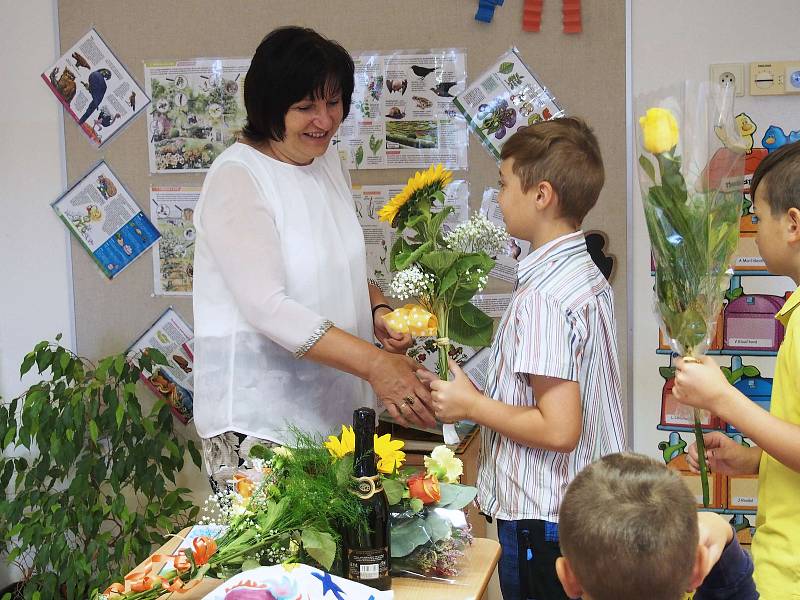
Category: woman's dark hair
<point>290,64</point>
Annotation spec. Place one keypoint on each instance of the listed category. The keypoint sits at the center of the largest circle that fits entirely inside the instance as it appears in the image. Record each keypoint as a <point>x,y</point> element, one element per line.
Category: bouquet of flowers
<point>691,174</point>
<point>442,271</point>
<point>287,509</point>
<point>428,528</point>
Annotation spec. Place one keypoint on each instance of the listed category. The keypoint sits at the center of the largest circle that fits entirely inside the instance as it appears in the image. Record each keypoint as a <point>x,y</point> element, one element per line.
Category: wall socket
<point>729,74</point>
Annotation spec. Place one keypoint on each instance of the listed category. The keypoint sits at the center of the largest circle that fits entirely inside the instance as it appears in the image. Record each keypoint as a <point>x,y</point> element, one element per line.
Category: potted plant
<point>94,487</point>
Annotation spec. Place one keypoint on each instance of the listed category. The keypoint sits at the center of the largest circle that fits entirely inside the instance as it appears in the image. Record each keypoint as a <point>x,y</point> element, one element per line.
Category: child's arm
<point>702,384</point>
<point>554,423</point>
<point>725,569</point>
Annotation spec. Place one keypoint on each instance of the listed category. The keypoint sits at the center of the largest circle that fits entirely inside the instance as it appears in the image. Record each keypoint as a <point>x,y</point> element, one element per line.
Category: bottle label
<point>367,487</point>
<point>368,564</point>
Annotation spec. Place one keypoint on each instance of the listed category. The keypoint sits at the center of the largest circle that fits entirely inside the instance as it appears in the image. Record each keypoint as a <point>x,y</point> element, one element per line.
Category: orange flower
<point>115,589</point>
<point>244,485</point>
<point>204,549</point>
<point>182,563</point>
<point>424,488</point>
<point>144,584</point>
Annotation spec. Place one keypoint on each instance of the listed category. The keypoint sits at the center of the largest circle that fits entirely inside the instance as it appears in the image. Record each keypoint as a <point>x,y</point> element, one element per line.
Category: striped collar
<point>561,247</point>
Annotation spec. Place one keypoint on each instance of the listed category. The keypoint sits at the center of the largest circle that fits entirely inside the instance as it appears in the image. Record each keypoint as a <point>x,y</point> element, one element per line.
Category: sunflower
<point>388,450</point>
<point>341,447</point>
<point>425,182</point>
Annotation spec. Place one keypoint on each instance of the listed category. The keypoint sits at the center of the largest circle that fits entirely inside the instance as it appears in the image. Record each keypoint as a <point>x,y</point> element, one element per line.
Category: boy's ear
<point>793,224</point>
<point>701,567</point>
<point>569,581</point>
<point>543,195</point>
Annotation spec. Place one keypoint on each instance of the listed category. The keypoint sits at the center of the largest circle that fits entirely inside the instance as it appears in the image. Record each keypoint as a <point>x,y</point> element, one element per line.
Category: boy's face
<point>516,205</point>
<point>772,245</point>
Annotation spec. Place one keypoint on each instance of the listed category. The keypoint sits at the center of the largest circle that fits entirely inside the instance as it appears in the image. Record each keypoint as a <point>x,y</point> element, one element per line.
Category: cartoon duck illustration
<point>775,137</point>
<point>745,127</point>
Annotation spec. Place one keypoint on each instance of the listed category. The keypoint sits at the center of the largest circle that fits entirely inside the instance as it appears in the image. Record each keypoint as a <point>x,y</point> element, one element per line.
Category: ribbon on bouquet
<point>414,319</point>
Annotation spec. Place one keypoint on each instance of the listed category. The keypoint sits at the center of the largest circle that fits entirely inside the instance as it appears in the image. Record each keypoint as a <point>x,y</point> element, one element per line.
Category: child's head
<point>564,153</point>
<point>628,529</point>
<point>775,191</point>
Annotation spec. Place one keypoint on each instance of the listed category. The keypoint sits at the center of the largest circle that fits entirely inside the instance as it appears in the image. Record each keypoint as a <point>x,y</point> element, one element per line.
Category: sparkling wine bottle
<point>366,545</point>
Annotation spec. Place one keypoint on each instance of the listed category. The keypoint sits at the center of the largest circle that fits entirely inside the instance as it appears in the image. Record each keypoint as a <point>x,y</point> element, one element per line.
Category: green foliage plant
<point>94,488</point>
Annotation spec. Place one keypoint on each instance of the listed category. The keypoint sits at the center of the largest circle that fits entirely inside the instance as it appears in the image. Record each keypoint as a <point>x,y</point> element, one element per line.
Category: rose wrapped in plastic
<point>691,177</point>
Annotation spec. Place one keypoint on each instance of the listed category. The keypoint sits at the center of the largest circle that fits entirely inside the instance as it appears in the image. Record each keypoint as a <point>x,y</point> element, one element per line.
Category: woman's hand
<point>725,456</point>
<point>392,341</point>
<point>407,400</point>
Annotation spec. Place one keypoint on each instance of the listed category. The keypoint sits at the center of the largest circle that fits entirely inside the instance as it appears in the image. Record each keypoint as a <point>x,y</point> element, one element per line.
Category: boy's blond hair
<point>565,153</point>
<point>780,173</point>
<point>628,527</point>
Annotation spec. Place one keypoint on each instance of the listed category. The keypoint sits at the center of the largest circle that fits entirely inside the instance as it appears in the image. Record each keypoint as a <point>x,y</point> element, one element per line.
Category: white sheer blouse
<point>279,257</point>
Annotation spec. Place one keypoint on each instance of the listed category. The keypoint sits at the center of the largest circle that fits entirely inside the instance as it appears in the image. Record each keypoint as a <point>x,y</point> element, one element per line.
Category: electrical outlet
<point>767,79</point>
<point>729,74</point>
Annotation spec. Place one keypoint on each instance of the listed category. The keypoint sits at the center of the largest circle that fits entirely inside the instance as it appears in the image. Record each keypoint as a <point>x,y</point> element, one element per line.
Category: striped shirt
<point>559,323</point>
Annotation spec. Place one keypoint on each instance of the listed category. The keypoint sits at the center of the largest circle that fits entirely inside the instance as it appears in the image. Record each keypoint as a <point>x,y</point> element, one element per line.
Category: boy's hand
<point>700,383</point>
<point>725,456</point>
<point>392,341</point>
<point>454,400</point>
<point>715,534</point>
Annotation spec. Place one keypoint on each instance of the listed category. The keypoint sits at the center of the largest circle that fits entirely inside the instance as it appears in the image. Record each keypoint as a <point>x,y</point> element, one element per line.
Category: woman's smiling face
<point>310,125</point>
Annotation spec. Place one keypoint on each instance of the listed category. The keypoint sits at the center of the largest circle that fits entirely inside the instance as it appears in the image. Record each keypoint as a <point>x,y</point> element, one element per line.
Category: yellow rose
<point>659,130</point>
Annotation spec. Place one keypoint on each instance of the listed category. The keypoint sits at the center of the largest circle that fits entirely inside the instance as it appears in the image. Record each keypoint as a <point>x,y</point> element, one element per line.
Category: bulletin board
<point>585,71</point>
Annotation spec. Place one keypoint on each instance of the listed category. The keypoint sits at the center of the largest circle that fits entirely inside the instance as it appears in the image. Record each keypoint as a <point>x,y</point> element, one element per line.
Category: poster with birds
<point>403,111</point>
<point>96,90</point>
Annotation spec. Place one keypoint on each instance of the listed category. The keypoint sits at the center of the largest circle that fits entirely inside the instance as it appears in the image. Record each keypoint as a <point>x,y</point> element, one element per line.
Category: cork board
<point>586,72</point>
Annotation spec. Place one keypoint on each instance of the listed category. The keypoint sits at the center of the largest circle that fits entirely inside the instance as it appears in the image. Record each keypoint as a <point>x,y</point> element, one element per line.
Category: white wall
<point>35,277</point>
<point>672,41</point>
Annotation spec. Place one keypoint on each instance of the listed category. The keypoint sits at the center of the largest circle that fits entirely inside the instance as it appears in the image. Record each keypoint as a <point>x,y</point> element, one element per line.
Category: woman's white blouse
<point>279,256</point>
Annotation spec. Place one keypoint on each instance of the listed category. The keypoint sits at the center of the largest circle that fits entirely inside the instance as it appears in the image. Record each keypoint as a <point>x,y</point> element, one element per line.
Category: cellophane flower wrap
<point>441,270</point>
<point>429,532</point>
<point>691,166</point>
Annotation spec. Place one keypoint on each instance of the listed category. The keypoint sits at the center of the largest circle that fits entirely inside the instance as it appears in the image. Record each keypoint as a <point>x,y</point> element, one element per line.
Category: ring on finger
<point>408,401</point>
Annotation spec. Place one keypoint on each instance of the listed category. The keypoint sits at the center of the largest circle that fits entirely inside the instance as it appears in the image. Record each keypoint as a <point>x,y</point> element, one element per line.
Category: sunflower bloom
<point>339,447</point>
<point>390,457</point>
<point>427,182</point>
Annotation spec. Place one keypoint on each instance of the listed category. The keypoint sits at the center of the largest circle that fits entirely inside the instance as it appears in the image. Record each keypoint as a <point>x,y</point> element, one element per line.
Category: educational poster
<point>425,352</point>
<point>402,114</point>
<point>95,89</point>
<point>379,236</point>
<point>505,98</point>
<point>172,209</point>
<point>198,111</point>
<point>493,305</point>
<point>746,340</point>
<point>106,220</point>
<point>505,267</point>
<point>173,382</point>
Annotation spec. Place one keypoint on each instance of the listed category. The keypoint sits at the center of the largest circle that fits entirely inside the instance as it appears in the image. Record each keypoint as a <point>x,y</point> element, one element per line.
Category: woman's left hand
<point>392,341</point>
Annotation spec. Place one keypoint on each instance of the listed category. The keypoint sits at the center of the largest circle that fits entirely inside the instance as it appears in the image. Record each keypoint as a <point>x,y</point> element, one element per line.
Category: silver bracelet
<point>321,329</point>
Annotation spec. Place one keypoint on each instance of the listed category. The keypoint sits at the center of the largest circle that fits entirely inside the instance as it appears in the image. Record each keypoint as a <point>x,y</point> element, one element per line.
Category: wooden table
<point>481,560</point>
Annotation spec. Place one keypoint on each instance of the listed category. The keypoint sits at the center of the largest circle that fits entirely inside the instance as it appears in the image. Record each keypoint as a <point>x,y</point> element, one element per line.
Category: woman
<point>283,332</point>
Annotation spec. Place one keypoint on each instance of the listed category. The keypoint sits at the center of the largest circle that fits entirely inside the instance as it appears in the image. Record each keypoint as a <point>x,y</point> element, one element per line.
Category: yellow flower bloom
<point>388,451</point>
<point>443,464</point>
<point>435,178</point>
<point>341,447</point>
<point>659,130</point>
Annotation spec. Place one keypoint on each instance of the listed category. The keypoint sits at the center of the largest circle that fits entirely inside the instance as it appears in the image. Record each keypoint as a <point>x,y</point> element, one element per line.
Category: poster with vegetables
<point>402,114</point>
<point>197,112</point>
<point>504,99</point>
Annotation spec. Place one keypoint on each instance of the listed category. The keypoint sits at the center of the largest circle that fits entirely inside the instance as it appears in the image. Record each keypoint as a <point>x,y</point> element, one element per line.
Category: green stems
<point>701,455</point>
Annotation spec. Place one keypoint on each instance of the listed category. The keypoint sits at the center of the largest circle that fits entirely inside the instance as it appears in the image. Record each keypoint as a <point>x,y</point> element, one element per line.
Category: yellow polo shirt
<point>776,545</point>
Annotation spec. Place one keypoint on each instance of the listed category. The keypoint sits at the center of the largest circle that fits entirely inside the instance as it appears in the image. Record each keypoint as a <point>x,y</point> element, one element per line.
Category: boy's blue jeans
<point>527,567</point>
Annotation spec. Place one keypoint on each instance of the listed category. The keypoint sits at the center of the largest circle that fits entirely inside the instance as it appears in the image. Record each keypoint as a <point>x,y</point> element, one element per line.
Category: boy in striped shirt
<point>552,401</point>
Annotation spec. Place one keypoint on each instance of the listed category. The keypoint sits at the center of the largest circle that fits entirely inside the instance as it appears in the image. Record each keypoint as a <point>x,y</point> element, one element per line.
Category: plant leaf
<point>456,496</point>
<point>320,546</point>
<point>647,167</point>
<point>394,490</point>
<point>506,68</point>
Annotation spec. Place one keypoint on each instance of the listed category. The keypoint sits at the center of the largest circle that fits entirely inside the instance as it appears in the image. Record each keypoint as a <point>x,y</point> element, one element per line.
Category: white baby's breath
<point>412,282</point>
<point>478,234</point>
